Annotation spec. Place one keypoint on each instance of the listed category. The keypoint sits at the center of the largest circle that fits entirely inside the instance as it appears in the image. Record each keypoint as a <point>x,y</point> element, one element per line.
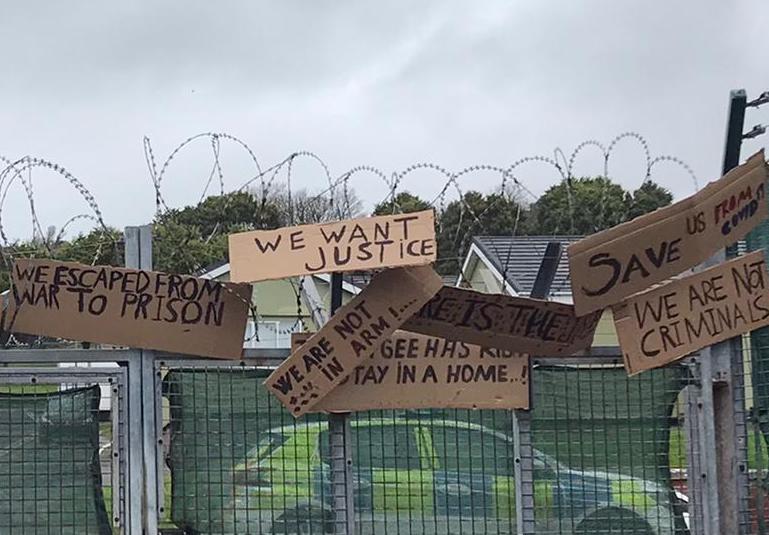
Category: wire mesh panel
<point>756,397</point>
<point>433,471</point>
<point>236,460</point>
<point>756,354</point>
<point>61,457</point>
<point>609,457</point>
<point>610,453</point>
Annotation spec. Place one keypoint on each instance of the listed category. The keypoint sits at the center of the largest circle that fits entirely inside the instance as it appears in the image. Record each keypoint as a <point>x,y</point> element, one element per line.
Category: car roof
<point>375,422</point>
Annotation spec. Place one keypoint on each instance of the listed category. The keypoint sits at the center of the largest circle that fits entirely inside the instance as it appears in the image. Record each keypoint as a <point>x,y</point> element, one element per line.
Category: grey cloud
<point>386,84</point>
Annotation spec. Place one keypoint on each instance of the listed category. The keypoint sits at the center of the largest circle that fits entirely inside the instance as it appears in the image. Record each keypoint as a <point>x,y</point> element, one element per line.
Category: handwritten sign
<point>357,244</point>
<point>351,336</point>
<point>130,307</point>
<point>682,316</point>
<point>611,265</point>
<point>513,323</point>
<point>412,371</point>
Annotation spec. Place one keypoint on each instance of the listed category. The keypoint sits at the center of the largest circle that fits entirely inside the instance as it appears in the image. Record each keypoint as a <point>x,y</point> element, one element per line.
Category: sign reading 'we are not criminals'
<point>351,245</point>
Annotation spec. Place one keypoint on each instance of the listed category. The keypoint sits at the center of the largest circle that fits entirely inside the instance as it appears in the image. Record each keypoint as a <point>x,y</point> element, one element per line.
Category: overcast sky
<point>386,84</point>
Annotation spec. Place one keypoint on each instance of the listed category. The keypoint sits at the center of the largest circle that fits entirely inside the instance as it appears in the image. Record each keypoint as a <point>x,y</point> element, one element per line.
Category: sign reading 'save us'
<point>353,333</point>
<point>413,371</point>
<point>130,307</point>
<point>351,245</point>
<point>608,266</point>
<point>677,318</point>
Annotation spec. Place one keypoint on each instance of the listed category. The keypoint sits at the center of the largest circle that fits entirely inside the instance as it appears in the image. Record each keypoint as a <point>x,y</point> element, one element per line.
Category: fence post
<point>722,462</point>
<point>726,378</point>
<point>524,451</point>
<point>142,411</point>
<point>339,447</point>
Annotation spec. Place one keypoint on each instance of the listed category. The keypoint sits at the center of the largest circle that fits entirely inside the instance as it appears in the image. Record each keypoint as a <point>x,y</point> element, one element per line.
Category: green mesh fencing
<point>239,463</point>
<point>757,401</point>
<point>603,449</point>
<point>50,478</point>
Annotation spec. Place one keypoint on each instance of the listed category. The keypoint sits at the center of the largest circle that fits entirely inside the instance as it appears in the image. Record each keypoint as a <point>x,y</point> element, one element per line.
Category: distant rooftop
<point>518,259</point>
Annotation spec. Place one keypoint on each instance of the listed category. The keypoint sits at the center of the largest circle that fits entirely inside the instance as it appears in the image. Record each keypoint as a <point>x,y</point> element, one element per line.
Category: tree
<point>476,214</point>
<point>223,213</point>
<point>403,203</point>
<point>303,208</point>
<point>648,198</point>
<point>100,246</point>
<point>180,248</point>
<point>188,239</point>
<point>588,205</point>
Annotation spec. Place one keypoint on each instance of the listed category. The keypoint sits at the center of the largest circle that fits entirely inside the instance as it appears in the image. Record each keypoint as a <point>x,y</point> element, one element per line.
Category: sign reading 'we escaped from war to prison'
<point>357,244</point>
<point>413,371</point>
<point>514,323</point>
<point>352,334</point>
<point>682,316</point>
<point>131,307</point>
<point>608,266</point>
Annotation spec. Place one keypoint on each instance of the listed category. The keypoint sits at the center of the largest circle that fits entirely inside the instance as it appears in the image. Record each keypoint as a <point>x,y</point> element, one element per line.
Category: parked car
<point>434,476</point>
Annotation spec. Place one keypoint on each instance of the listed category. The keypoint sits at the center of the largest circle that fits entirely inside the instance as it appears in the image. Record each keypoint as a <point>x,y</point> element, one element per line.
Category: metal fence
<point>146,442</point>
<point>606,454</point>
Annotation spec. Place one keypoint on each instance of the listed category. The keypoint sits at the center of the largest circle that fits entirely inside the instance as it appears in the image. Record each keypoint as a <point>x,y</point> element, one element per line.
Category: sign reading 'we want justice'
<point>358,244</point>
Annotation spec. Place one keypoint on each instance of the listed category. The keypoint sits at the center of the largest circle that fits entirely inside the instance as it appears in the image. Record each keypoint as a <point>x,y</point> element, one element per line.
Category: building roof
<point>518,258</point>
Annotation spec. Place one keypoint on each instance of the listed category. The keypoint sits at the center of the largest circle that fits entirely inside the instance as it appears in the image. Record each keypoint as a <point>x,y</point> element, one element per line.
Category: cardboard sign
<point>351,336</point>
<point>412,371</point>
<point>129,307</point>
<point>357,244</point>
<point>611,265</point>
<point>513,323</point>
<point>682,316</point>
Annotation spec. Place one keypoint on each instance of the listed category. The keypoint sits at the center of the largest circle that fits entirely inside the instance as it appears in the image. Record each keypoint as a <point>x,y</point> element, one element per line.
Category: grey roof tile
<point>518,259</point>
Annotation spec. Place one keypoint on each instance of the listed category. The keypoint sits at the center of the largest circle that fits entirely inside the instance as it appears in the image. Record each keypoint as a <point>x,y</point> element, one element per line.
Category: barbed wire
<point>339,192</point>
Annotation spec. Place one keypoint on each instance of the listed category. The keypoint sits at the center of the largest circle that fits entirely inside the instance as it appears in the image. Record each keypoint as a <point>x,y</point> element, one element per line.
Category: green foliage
<point>584,206</point>
<point>180,248</point>
<point>99,246</point>
<point>476,214</point>
<point>588,206</point>
<point>403,203</point>
<point>648,198</point>
<point>220,214</point>
<point>194,237</point>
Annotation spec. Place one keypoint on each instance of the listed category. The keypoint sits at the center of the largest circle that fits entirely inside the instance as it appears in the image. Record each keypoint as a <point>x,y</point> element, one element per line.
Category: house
<point>509,264</point>
<point>284,306</point>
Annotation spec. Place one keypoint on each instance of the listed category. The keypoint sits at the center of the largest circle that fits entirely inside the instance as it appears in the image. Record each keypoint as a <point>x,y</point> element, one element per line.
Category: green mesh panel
<point>240,463</point>
<point>759,342</point>
<point>50,478</point>
<point>605,442</point>
<point>218,419</point>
